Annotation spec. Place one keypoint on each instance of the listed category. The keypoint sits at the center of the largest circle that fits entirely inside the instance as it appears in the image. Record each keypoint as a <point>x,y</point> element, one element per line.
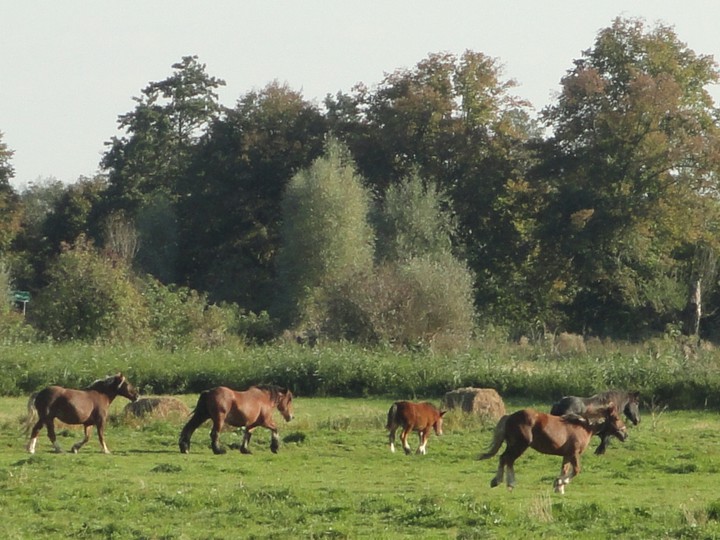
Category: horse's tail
<point>391,417</point>
<point>498,439</point>
<point>32,413</point>
<point>199,415</point>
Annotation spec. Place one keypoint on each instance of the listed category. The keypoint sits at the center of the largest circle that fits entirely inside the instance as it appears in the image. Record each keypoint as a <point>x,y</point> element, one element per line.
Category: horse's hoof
<point>407,451</point>
<point>494,483</point>
<point>244,450</point>
<point>510,488</point>
<point>219,451</point>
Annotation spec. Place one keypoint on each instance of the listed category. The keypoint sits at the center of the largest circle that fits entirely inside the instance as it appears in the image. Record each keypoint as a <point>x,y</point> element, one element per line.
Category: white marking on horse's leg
<point>510,477</point>
<point>31,445</point>
<point>392,447</point>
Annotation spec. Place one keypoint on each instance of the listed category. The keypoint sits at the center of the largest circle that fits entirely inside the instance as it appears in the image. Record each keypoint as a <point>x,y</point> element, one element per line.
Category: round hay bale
<point>484,402</point>
<point>156,407</point>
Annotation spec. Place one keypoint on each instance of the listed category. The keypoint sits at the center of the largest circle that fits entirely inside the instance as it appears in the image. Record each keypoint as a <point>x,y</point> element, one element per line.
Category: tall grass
<point>663,373</point>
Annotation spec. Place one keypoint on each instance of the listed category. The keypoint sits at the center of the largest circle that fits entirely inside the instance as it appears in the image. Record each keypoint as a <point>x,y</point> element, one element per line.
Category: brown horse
<point>88,407</point>
<point>420,417</point>
<point>248,409</point>
<point>567,436</point>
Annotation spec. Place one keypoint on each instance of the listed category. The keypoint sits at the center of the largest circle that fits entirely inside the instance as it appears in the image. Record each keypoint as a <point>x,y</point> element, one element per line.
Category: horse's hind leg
<point>34,436</point>
<point>50,426</point>
<point>403,439</point>
<point>86,437</point>
<point>391,438</point>
<point>215,437</point>
<point>507,464</point>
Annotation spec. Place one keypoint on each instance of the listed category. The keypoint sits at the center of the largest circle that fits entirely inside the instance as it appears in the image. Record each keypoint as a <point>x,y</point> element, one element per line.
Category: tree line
<point>412,212</point>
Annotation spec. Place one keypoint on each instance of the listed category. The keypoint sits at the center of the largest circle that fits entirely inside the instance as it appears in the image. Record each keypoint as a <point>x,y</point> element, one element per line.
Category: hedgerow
<point>344,370</point>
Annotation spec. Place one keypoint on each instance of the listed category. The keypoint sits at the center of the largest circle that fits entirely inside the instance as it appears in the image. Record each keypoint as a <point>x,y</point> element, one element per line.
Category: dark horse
<point>420,417</point>
<point>566,436</point>
<point>88,407</point>
<point>627,402</point>
<point>248,409</point>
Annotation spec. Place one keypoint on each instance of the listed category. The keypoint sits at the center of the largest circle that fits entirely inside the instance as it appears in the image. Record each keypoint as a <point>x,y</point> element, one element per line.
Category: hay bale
<point>567,343</point>
<point>485,402</point>
<point>156,407</point>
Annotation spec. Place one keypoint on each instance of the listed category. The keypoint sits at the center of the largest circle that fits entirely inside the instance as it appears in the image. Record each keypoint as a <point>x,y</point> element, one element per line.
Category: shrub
<point>90,298</point>
<point>421,302</point>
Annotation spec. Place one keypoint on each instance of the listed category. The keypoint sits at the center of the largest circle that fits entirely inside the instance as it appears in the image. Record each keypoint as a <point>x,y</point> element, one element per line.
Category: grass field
<point>335,478</point>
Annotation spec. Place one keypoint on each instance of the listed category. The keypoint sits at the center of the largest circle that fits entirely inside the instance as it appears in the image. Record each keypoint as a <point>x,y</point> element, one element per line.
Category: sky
<point>71,67</point>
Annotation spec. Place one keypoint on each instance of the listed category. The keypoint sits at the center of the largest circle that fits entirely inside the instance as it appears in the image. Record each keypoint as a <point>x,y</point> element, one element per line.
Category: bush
<point>90,298</point>
<point>419,303</point>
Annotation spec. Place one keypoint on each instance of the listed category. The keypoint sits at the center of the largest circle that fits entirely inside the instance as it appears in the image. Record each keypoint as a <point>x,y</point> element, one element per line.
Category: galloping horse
<point>627,402</point>
<point>248,409</point>
<point>88,407</point>
<point>420,417</point>
<point>567,436</point>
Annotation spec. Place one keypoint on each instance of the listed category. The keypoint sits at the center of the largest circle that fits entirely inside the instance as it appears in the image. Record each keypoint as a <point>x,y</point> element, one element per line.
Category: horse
<point>567,436</point>
<point>420,417</point>
<point>249,409</point>
<point>88,407</point>
<point>628,402</point>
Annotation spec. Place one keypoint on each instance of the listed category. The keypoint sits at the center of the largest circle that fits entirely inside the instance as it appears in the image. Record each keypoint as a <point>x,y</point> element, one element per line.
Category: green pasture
<point>335,478</point>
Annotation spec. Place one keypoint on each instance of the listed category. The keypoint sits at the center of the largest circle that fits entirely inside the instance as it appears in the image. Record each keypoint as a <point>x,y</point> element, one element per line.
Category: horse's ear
<point>442,413</point>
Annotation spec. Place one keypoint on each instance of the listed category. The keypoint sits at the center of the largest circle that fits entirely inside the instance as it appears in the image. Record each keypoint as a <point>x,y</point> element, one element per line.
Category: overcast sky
<point>71,67</point>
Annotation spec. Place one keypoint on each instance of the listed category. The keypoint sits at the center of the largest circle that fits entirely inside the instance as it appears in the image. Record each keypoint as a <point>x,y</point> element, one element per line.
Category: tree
<point>327,239</point>
<point>454,119</point>
<point>161,132</point>
<point>635,145</point>
<point>411,222</point>
<point>9,203</point>
<point>231,213</point>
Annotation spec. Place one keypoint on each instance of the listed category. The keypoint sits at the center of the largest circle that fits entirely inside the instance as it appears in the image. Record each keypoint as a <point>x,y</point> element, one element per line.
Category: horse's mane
<point>276,392</point>
<point>102,384</point>
<point>619,397</point>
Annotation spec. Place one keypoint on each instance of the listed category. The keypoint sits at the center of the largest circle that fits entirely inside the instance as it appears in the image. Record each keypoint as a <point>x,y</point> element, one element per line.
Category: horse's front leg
<point>570,468</point>
<point>86,437</point>
<point>423,437</point>
<point>604,441</point>
<point>274,440</point>
<point>244,446</point>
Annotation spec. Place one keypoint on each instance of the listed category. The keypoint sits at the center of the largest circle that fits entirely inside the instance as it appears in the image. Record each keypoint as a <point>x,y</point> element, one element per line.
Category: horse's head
<point>613,424</point>
<point>437,426</point>
<point>632,408</point>
<point>124,388</point>
<point>285,405</point>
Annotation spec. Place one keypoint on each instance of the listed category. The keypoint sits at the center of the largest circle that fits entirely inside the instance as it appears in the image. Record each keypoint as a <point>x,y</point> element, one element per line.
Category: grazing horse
<point>627,402</point>
<point>565,436</point>
<point>88,407</point>
<point>420,417</point>
<point>248,409</point>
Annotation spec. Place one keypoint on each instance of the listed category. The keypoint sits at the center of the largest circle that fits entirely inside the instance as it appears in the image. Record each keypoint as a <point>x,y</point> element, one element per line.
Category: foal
<point>420,417</point>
